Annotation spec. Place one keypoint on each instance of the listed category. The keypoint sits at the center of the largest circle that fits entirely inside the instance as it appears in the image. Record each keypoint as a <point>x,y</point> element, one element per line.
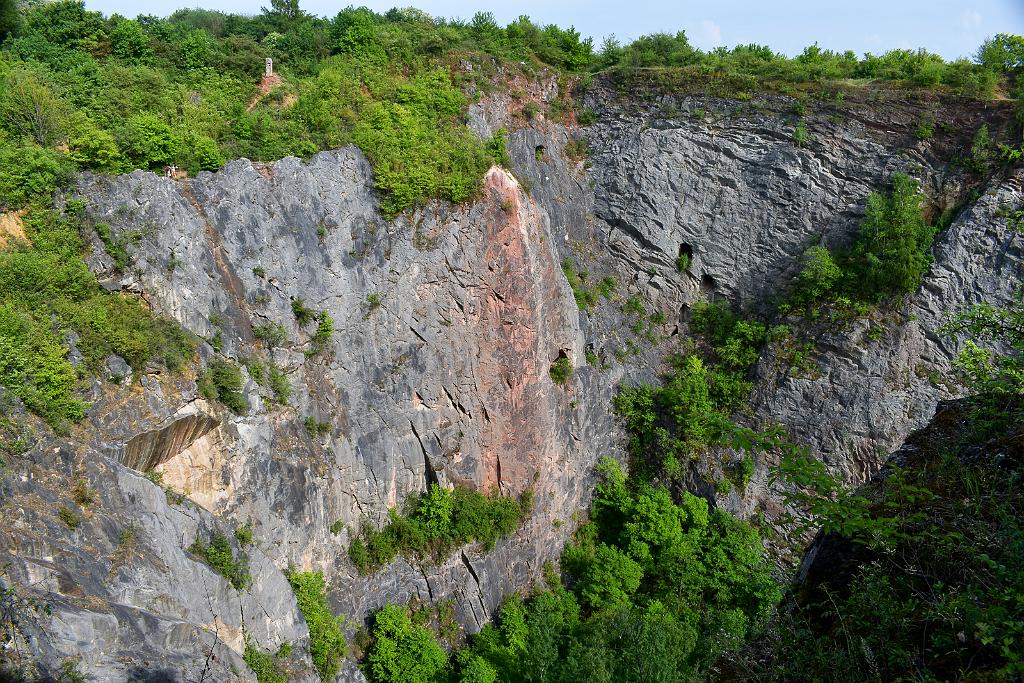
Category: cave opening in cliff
<point>708,286</point>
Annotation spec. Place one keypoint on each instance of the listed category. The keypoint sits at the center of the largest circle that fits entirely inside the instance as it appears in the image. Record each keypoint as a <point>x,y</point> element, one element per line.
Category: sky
<point>952,29</point>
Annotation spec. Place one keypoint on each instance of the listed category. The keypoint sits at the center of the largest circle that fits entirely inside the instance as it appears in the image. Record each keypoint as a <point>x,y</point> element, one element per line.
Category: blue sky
<point>953,29</point>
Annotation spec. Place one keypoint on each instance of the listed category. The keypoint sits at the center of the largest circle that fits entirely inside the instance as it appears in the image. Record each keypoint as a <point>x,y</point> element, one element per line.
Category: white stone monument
<point>270,67</point>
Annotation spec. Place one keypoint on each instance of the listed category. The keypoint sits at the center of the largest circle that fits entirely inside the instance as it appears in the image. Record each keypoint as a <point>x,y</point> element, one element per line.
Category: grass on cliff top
<point>112,94</point>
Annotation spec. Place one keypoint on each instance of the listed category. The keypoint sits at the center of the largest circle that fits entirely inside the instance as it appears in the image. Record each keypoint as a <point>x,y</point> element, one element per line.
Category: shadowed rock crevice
<point>145,451</point>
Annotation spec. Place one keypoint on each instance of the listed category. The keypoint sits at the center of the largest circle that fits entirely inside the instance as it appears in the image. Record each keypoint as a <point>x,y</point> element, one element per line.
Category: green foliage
<point>46,292</point>
<point>659,591</point>
<point>221,558</point>
<point>34,367</point>
<point>222,381</point>
<point>585,293</point>
<point>272,334</point>
<point>10,20</point>
<point>279,385</point>
<point>263,664</point>
<point>1003,52</point>
<point>130,43</point>
<point>92,147</point>
<point>890,256</point>
<point>996,377</point>
<point>820,277</point>
<point>148,142</point>
<point>30,174</point>
<point>893,248</point>
<point>436,523</point>
<point>29,107</point>
<point>327,645</point>
<point>70,518</point>
<point>561,370</point>
<point>683,262</point>
<point>925,129</point>
<point>316,428</point>
<point>322,337</point>
<point>404,652</point>
<point>982,152</point>
<point>800,135</point>
<point>930,590</point>
<point>116,249</point>
<point>243,534</point>
<point>303,314</point>
<point>672,423</point>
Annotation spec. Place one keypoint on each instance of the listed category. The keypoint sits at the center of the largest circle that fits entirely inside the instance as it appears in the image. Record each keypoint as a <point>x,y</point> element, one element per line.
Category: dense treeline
<point>658,591</point>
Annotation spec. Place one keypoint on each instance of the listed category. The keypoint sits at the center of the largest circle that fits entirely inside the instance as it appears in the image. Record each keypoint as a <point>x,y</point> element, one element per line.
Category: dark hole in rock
<point>685,257</point>
<point>708,285</point>
<point>540,152</point>
<point>145,451</point>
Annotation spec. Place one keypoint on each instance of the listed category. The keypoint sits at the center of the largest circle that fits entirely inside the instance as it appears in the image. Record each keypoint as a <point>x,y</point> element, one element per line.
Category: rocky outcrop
<point>446,321</point>
<point>724,183</point>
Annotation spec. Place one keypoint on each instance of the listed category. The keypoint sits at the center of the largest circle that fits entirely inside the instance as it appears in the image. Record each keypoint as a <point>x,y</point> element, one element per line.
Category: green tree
<point>29,174</point>
<point>609,579</point>
<point>404,652</point>
<point>195,50</point>
<point>148,142</point>
<point>893,248</point>
<point>30,108</point>
<point>91,146</point>
<point>820,276</point>
<point>130,43</point>
<point>284,13</point>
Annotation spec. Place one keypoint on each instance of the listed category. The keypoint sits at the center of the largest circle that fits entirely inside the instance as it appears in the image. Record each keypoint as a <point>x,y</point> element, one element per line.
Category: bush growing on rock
<point>327,645</point>
<point>893,248</point>
<point>221,558</point>
<point>437,522</point>
<point>561,370</point>
<point>404,652</point>
<point>222,381</point>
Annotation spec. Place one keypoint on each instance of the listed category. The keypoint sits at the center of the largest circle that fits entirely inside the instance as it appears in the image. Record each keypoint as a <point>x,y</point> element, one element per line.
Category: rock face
<point>446,321</point>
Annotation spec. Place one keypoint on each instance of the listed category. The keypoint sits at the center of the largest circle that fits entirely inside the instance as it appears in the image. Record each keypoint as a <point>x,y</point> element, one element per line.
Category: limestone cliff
<point>447,320</point>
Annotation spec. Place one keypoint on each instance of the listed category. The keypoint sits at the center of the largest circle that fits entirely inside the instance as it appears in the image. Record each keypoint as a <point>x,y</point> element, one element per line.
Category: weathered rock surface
<point>446,321</point>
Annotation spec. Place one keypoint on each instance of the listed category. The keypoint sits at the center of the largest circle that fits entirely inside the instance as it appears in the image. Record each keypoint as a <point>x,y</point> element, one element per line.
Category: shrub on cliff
<point>404,652</point>
<point>46,294</point>
<point>893,248</point>
<point>221,558</point>
<point>437,522</point>
<point>327,645</point>
<point>222,381</point>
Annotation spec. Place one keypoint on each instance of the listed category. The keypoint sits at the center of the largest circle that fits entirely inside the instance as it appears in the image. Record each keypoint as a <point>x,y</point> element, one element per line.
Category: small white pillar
<point>270,67</point>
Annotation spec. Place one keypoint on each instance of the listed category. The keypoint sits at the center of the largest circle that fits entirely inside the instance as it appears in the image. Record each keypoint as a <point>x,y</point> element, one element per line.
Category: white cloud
<point>970,19</point>
<point>710,34</point>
